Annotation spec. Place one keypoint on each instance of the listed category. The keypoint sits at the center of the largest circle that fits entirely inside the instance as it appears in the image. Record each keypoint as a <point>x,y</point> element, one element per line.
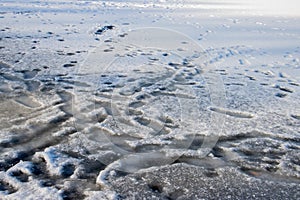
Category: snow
<point>178,99</point>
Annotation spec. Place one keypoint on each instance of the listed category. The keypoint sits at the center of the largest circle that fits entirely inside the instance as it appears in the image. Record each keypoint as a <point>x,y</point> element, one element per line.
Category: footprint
<point>280,95</point>
<point>30,74</point>
<point>32,85</point>
<point>5,87</point>
<point>10,77</point>
<point>295,116</point>
<point>4,65</point>
<point>7,188</point>
<point>75,83</point>
<point>18,174</point>
<point>103,29</point>
<point>284,89</point>
<point>65,96</point>
<point>136,104</point>
<point>28,101</point>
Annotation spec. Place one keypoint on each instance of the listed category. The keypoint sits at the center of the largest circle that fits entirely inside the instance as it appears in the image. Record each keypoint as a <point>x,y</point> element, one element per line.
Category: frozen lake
<point>162,99</point>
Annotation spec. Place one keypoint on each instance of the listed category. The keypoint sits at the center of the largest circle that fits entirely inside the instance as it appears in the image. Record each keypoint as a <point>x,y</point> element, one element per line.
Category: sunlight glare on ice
<point>278,7</point>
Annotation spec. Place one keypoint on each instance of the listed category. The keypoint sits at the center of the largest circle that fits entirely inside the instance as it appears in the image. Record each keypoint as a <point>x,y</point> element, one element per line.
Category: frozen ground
<point>149,100</point>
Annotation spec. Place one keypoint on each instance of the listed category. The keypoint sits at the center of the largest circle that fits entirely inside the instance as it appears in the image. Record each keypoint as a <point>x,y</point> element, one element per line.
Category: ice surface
<point>171,99</point>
